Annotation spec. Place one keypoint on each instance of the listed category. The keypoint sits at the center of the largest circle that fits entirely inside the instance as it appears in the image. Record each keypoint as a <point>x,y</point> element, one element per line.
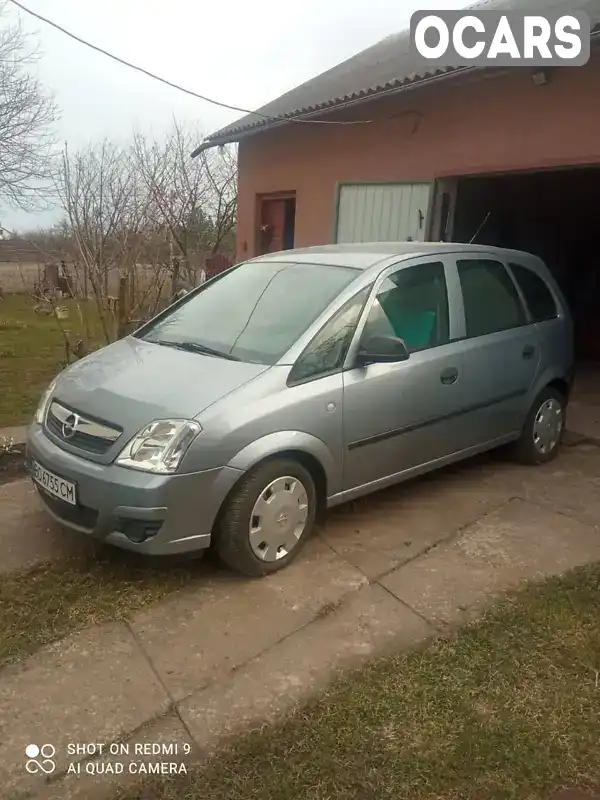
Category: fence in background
<point>213,265</point>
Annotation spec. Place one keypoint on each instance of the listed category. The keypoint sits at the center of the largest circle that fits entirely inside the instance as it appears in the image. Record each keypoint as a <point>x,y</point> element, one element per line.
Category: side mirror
<point>382,350</point>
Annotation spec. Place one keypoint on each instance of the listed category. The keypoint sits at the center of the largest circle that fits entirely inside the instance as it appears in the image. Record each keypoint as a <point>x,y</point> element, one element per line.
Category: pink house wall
<point>487,125</point>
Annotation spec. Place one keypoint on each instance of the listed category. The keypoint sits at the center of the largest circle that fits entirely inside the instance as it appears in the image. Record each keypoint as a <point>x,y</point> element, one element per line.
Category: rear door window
<point>491,301</point>
<point>538,296</point>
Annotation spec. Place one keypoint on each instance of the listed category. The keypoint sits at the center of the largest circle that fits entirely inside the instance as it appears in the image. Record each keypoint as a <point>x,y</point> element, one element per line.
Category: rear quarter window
<point>538,297</point>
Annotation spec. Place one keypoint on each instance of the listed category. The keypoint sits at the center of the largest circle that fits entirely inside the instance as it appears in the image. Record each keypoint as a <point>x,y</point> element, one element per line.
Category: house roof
<point>390,65</point>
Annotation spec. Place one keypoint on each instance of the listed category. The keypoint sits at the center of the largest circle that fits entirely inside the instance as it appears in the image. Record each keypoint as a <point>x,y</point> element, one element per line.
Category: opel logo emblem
<point>69,428</point>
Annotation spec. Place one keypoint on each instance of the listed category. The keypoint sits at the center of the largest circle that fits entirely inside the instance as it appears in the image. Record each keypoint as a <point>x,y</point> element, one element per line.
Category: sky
<point>239,52</point>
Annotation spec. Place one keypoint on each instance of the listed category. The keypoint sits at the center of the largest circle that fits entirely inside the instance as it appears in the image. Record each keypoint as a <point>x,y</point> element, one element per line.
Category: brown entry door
<point>277,217</point>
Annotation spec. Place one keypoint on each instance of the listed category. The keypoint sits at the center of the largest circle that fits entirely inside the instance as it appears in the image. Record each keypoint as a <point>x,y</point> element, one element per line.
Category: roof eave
<point>406,85</point>
<point>269,124</point>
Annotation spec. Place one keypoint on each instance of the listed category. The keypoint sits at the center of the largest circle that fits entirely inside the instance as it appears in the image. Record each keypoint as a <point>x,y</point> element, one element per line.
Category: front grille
<point>85,442</point>
<point>90,435</point>
<point>78,515</point>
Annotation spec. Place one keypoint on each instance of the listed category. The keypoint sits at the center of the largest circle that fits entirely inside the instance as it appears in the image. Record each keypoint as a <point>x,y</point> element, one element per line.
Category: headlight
<point>160,446</point>
<point>40,413</point>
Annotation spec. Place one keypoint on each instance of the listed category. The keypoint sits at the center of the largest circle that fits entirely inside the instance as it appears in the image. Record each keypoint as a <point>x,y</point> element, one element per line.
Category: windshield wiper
<point>192,347</point>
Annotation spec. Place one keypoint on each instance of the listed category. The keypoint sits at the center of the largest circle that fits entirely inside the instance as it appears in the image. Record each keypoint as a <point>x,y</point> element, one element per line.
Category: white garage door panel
<point>371,212</point>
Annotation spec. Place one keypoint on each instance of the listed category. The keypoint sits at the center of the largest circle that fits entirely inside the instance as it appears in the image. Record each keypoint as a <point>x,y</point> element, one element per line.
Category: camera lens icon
<point>40,759</point>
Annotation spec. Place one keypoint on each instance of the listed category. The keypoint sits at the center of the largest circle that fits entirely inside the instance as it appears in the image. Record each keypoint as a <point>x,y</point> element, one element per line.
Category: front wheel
<point>543,430</point>
<point>267,519</point>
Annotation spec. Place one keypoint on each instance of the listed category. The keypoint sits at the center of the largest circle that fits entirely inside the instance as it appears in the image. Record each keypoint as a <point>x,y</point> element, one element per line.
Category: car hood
<point>133,382</point>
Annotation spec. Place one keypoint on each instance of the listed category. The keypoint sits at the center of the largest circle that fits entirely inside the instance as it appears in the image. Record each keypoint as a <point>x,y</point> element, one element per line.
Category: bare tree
<point>26,117</point>
<point>106,207</point>
<point>194,200</point>
<point>142,216</point>
<point>221,170</point>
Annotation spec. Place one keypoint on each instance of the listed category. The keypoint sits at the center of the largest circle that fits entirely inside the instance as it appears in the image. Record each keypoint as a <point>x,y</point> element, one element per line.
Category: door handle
<point>528,351</point>
<point>449,376</point>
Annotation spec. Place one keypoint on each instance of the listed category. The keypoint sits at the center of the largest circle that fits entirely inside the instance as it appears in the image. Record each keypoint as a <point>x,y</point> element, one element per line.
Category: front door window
<point>412,305</point>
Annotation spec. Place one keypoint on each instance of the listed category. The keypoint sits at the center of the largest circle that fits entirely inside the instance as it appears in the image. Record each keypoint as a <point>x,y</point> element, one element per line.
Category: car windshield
<point>254,313</point>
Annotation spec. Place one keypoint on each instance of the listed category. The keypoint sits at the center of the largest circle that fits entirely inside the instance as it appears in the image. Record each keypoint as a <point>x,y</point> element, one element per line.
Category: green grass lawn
<point>49,602</point>
<point>506,709</point>
<point>32,351</point>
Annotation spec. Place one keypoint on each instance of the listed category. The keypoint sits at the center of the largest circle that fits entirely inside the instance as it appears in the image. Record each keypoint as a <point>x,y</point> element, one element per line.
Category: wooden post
<point>132,287</point>
<point>123,309</point>
<point>173,265</point>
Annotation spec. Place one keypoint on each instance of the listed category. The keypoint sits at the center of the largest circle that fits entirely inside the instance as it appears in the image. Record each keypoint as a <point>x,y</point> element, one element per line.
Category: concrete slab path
<point>384,574</point>
<point>27,535</point>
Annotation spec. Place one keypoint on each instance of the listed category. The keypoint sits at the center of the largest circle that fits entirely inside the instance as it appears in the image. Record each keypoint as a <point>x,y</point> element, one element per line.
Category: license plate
<point>53,484</point>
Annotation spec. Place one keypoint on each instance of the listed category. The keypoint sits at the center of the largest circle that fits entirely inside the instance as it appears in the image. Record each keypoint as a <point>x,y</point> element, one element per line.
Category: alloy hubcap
<point>278,518</point>
<point>548,426</point>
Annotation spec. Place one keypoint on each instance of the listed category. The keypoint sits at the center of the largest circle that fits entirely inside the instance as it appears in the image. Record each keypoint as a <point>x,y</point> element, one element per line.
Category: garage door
<point>382,212</point>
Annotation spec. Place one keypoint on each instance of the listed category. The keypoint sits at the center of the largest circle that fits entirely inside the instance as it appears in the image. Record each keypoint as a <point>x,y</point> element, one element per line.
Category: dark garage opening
<point>553,214</point>
<point>289,223</point>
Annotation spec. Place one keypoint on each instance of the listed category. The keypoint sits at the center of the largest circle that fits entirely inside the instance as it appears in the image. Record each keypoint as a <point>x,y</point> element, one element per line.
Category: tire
<point>527,449</point>
<point>242,548</point>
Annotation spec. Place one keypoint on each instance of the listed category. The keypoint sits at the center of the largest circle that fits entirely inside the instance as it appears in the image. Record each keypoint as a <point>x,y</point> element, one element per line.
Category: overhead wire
<point>178,87</point>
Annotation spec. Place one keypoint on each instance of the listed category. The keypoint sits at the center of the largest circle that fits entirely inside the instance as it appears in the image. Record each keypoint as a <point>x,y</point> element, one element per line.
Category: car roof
<point>368,254</point>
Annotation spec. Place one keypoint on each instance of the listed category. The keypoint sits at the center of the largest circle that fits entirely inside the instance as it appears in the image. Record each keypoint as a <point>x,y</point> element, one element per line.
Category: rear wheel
<point>544,428</point>
<point>267,519</point>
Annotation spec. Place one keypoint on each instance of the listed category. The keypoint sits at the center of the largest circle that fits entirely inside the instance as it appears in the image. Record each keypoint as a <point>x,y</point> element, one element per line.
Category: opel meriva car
<point>297,381</point>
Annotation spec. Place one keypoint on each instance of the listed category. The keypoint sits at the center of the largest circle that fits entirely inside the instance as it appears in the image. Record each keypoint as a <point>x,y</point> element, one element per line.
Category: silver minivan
<point>299,380</point>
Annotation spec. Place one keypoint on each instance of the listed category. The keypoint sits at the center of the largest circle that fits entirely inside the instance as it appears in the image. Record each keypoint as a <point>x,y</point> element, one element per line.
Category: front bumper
<point>178,510</point>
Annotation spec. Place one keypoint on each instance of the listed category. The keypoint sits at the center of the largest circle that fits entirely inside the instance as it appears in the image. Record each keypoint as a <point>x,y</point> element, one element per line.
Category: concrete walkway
<point>386,573</point>
<point>27,535</point>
